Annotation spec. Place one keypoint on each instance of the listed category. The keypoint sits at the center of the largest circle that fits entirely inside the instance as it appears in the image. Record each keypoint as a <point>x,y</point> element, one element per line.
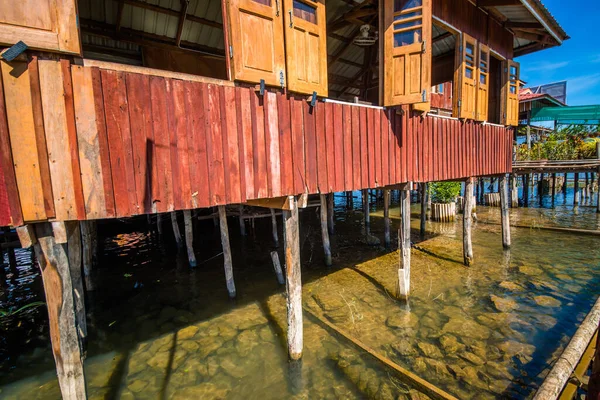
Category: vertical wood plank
<point>272,144</point>
<point>371,152</point>
<point>183,145</point>
<point>322,167</point>
<point>310,148</point>
<point>347,136</point>
<point>175,123</point>
<point>377,139</point>
<point>198,160</point>
<point>356,150</point>
<point>162,180</point>
<point>364,148</point>
<point>231,147</point>
<point>298,145</point>
<point>261,189</point>
<point>330,146</point>
<point>243,97</point>
<point>385,148</point>
<point>285,144</point>
<point>22,139</point>
<point>88,143</point>
<point>214,143</point>
<point>119,142</point>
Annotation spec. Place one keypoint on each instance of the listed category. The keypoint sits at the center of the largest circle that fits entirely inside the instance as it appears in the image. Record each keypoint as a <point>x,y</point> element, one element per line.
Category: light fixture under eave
<point>366,38</point>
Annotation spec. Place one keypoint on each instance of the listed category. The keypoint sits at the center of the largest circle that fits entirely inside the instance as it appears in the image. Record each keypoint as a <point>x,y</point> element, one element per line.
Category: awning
<point>576,115</point>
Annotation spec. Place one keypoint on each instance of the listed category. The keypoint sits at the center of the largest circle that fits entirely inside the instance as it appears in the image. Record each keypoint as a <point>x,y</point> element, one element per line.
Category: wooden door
<point>510,93</point>
<point>407,51</point>
<point>306,46</point>
<point>483,77</point>
<point>465,96</point>
<point>41,24</point>
<point>256,33</point>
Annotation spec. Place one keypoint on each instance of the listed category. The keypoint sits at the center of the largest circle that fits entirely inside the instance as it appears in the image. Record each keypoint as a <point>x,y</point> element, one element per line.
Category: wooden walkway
<point>89,142</point>
<point>550,166</point>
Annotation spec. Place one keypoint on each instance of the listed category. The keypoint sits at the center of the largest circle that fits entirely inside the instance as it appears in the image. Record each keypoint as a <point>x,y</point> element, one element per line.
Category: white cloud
<point>582,83</point>
<point>544,66</point>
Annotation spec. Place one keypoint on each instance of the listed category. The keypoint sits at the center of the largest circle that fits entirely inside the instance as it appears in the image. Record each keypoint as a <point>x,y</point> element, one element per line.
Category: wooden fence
<point>80,142</point>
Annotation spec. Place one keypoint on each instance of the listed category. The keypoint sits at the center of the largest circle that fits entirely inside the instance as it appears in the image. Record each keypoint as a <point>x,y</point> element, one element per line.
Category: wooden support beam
<point>228,264</point>
<point>175,13</point>
<point>330,213</point>
<point>279,203</point>
<point>504,212</point>
<point>159,223</point>
<point>576,194</point>
<point>423,193</point>
<point>277,267</point>
<point>325,231</point>
<point>274,228</point>
<point>176,231</point>
<point>293,280</point>
<point>189,237</point>
<point>514,192</point>
<point>74,253</point>
<point>403,286</point>
<point>54,262</point>
<point>467,222</point>
<point>26,236</point>
<point>386,218</point>
<point>553,188</point>
<point>242,221</point>
<point>182,16</point>
<point>366,212</point>
<point>88,243</point>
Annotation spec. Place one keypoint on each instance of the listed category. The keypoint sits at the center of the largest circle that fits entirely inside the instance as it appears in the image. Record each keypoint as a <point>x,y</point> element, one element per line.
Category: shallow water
<point>160,330</point>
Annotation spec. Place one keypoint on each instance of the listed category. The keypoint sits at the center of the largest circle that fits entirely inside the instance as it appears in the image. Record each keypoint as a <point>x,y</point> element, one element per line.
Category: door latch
<point>281,79</point>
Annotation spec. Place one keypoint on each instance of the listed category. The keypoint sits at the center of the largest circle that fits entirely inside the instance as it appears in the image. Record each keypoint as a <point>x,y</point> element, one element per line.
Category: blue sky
<point>577,60</point>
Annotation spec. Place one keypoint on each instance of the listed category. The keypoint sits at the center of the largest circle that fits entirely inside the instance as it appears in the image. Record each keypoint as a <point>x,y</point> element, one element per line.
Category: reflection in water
<point>161,330</point>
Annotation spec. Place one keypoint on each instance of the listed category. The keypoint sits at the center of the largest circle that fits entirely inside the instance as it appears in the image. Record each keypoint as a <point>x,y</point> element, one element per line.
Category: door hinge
<point>423,46</point>
<point>281,79</point>
<point>459,103</point>
<point>424,96</point>
<point>230,51</point>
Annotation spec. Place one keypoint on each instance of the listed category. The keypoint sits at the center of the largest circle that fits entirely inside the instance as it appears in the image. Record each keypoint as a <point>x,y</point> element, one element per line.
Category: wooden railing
<point>104,140</point>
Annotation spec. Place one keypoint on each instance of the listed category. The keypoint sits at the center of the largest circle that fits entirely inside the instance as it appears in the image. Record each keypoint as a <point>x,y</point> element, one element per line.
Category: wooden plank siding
<point>139,144</point>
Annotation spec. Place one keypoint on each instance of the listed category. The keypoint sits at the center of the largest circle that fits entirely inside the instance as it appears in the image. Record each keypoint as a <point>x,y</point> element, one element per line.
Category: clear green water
<point>160,330</point>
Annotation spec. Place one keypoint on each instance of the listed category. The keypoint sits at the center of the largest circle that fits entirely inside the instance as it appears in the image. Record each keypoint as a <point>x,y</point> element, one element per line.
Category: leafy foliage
<point>569,143</point>
<point>444,192</point>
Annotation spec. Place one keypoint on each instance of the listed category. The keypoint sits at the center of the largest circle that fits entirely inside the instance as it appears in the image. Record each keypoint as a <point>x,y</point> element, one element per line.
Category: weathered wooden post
<point>55,258</point>
<point>541,188</point>
<point>330,213</point>
<point>467,222</point>
<point>386,218</point>
<point>176,230</point>
<point>274,228</point>
<point>324,230</point>
<point>514,192</point>
<point>189,237</point>
<point>242,221</point>
<point>88,231</point>
<point>159,223</point>
<point>576,193</point>
<point>553,187</point>
<point>564,188</point>
<point>586,191</point>
<point>228,264</point>
<point>505,215</point>
<point>277,267</point>
<point>349,201</point>
<point>403,287</point>
<point>367,217</point>
<point>293,280</point>
<point>526,179</point>
<point>423,209</point>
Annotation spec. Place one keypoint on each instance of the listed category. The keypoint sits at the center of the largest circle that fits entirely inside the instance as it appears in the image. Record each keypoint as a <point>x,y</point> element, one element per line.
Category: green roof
<point>576,115</point>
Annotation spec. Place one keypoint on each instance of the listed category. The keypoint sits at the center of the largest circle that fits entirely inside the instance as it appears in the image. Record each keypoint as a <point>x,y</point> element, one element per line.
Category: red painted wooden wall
<point>152,144</point>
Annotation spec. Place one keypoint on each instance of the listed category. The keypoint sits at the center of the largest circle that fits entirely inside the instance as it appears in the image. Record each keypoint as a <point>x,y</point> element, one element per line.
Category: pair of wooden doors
<point>282,42</point>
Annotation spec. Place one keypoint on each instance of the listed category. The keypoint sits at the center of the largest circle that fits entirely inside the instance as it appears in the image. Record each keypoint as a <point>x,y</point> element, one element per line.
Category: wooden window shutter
<point>41,24</point>
<point>256,40</point>
<point>510,93</point>
<point>465,78</point>
<point>306,46</point>
<point>483,69</point>
<point>407,52</point>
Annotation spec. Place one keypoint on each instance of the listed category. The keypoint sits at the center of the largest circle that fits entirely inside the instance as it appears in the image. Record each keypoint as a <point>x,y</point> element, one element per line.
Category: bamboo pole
<point>228,265</point>
<point>293,281</point>
<point>324,230</point>
<point>566,363</point>
<point>403,287</point>
<point>274,228</point>
<point>189,237</point>
<point>386,218</point>
<point>54,262</point>
<point>505,216</point>
<point>277,267</point>
<point>467,222</point>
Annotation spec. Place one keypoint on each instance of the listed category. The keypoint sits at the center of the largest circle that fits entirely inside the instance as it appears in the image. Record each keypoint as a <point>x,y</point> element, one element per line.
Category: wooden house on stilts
<point>116,108</point>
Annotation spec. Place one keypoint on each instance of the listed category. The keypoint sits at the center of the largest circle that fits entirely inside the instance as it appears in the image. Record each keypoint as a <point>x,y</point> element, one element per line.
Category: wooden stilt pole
<point>467,222</point>
<point>54,261</point>
<point>526,178</point>
<point>386,218</point>
<point>553,188</point>
<point>74,252</point>
<point>189,237</point>
<point>367,217</point>
<point>423,209</point>
<point>403,287</point>
<point>514,192</point>
<point>324,230</point>
<point>349,201</point>
<point>274,228</point>
<point>277,267</point>
<point>598,191</point>
<point>88,229</point>
<point>242,221</point>
<point>176,230</point>
<point>293,280</point>
<point>587,185</point>
<point>576,193</point>
<point>228,265</point>
<point>159,223</point>
<point>564,188</point>
<point>330,213</point>
<point>505,214</point>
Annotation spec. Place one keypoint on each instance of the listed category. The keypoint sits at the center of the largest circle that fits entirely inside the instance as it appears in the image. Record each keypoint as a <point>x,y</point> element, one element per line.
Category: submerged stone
<point>512,348</point>
<point>403,319</point>
<point>511,286</point>
<point>472,358</point>
<point>404,348</point>
<point>450,344</point>
<point>502,304</point>
<point>429,350</point>
<point>547,301</point>
<point>531,271</point>
<point>329,301</point>
<point>187,333</point>
<point>204,390</point>
<point>461,326</point>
